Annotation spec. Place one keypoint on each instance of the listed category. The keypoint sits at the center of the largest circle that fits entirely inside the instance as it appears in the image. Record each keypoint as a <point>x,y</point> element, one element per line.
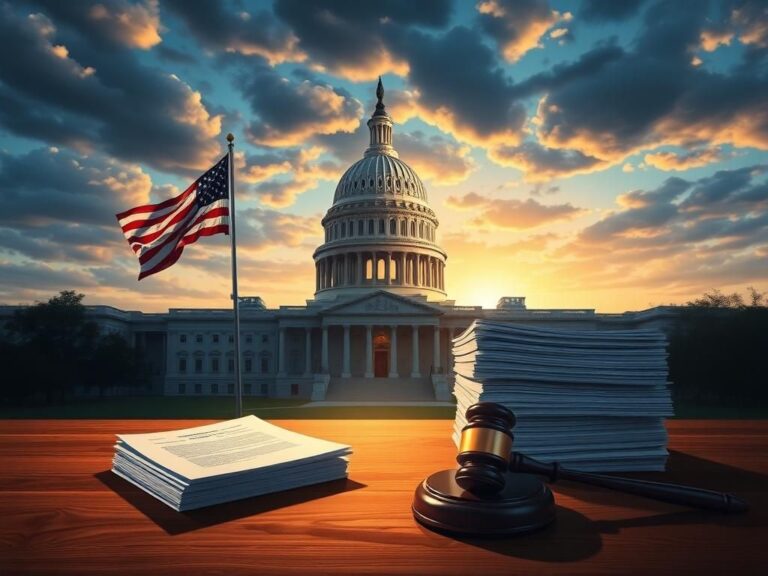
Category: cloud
<point>110,23</point>
<point>303,166</point>
<point>348,38</point>
<point>518,25</point>
<point>288,113</point>
<point>605,10</point>
<point>541,164</point>
<point>512,213</point>
<point>693,159</point>
<point>470,99</point>
<point>652,96</point>
<point>266,228</point>
<point>437,158</point>
<point>247,33</point>
<point>85,96</point>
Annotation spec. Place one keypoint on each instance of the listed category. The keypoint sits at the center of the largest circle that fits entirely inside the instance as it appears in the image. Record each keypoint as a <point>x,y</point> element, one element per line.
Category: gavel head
<point>486,443</point>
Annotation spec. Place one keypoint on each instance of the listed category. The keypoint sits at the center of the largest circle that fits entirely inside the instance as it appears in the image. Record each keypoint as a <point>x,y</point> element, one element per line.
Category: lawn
<point>215,407</point>
<point>219,407</point>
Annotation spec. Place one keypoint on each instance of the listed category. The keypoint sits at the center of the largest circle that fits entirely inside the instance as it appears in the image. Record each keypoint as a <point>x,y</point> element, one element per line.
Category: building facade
<point>380,324</point>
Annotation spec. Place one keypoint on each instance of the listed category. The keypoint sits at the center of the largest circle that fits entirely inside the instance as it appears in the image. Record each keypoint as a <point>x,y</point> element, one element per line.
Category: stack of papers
<point>591,400</point>
<point>207,465</point>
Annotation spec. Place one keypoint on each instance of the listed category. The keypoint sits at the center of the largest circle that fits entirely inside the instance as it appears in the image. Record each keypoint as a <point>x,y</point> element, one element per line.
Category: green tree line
<point>49,349</point>
<point>718,350</point>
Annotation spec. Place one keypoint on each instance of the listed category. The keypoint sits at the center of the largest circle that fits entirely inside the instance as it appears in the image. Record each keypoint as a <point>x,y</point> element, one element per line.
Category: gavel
<point>486,458</point>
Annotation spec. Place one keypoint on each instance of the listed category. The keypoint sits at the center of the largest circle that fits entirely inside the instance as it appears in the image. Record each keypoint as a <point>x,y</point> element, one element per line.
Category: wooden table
<point>62,512</point>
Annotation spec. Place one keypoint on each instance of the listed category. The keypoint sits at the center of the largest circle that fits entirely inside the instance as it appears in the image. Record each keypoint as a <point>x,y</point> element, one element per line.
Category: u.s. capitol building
<point>380,324</point>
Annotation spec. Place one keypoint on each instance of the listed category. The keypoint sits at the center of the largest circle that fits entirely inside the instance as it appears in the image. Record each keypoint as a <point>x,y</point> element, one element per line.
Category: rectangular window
<point>231,339</point>
<point>182,388</point>
<point>230,365</point>
<point>183,338</point>
<point>264,388</point>
<point>381,226</point>
<point>343,229</point>
<point>198,388</point>
<point>370,227</point>
<point>182,364</point>
<point>199,338</point>
<point>230,388</point>
<point>264,338</point>
<point>214,388</point>
<point>214,364</point>
<point>248,365</point>
<point>198,365</point>
<point>264,365</point>
<point>248,339</point>
<point>215,338</point>
<point>360,227</point>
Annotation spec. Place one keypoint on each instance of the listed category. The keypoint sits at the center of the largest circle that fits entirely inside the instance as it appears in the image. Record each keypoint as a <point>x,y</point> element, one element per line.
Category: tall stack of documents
<point>240,458</point>
<point>591,400</point>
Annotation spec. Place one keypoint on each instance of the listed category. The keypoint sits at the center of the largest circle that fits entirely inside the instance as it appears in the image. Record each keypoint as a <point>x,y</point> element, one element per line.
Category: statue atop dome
<point>380,111</point>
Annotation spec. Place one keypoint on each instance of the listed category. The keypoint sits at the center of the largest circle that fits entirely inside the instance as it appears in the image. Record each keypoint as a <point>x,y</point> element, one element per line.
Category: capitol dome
<point>380,232</point>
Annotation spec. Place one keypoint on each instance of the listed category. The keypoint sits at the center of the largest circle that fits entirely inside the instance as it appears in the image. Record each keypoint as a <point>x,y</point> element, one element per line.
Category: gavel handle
<point>674,493</point>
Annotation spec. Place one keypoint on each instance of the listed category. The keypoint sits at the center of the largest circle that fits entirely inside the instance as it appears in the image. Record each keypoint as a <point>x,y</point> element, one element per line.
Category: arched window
<point>413,228</point>
<point>370,227</point>
<point>421,229</point>
<point>394,277</point>
<point>381,225</point>
<point>392,226</point>
<point>360,226</point>
<point>380,268</point>
<point>403,228</point>
<point>343,229</point>
<point>368,269</point>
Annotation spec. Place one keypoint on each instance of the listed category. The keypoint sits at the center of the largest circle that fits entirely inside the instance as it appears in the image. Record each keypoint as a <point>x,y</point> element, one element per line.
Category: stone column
<point>393,352</point>
<point>436,353</point>
<point>402,268</point>
<point>281,353</point>
<point>345,372</point>
<point>387,265</point>
<point>415,352</point>
<point>360,269</point>
<point>324,352</point>
<point>416,270</point>
<point>368,351</point>
<point>308,351</point>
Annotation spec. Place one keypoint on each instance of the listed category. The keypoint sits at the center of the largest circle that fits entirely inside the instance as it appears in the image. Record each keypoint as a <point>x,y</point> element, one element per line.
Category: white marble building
<point>380,324</point>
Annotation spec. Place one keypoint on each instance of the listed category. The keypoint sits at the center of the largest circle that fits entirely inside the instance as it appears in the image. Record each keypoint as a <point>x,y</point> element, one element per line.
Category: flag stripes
<point>158,233</point>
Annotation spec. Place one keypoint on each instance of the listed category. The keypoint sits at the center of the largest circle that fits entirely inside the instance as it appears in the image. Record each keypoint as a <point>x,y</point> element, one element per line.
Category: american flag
<point>158,233</point>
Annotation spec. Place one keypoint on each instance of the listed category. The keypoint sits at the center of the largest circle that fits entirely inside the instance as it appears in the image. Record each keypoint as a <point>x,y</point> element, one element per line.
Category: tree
<point>55,341</point>
<point>716,299</point>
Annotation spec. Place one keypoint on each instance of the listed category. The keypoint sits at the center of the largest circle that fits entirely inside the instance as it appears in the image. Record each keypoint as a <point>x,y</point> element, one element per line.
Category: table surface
<point>63,512</point>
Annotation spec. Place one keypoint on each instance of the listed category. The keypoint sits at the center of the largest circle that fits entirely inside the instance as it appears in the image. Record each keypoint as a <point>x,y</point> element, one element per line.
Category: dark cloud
<point>541,164</point>
<point>726,205</point>
<point>288,113</point>
<point>603,10</point>
<point>517,25</point>
<point>436,158</point>
<point>248,33</point>
<point>347,38</point>
<point>461,87</point>
<point>79,94</point>
<point>266,228</point>
<point>655,95</point>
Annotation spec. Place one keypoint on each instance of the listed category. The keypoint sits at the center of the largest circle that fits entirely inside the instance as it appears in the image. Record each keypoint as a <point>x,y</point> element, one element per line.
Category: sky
<point>597,154</point>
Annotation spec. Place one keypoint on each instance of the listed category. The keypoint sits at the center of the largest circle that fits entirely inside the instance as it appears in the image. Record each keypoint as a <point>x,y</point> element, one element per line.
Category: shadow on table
<point>690,470</point>
<point>180,522</point>
<point>574,537</point>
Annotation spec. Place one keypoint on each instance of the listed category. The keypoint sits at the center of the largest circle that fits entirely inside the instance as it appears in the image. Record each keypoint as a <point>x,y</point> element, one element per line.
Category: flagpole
<point>235,299</point>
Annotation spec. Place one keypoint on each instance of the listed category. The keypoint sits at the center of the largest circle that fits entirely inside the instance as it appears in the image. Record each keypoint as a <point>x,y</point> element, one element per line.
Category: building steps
<point>380,390</point>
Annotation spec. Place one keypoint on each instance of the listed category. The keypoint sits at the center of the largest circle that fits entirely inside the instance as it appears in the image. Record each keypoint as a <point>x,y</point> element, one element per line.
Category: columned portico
<point>393,352</point>
<point>415,352</point>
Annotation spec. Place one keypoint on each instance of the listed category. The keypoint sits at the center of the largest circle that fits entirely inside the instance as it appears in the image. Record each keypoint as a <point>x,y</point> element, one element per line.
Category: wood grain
<point>62,512</point>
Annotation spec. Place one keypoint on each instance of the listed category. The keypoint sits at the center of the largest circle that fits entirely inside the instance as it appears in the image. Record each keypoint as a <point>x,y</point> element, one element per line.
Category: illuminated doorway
<point>381,354</point>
